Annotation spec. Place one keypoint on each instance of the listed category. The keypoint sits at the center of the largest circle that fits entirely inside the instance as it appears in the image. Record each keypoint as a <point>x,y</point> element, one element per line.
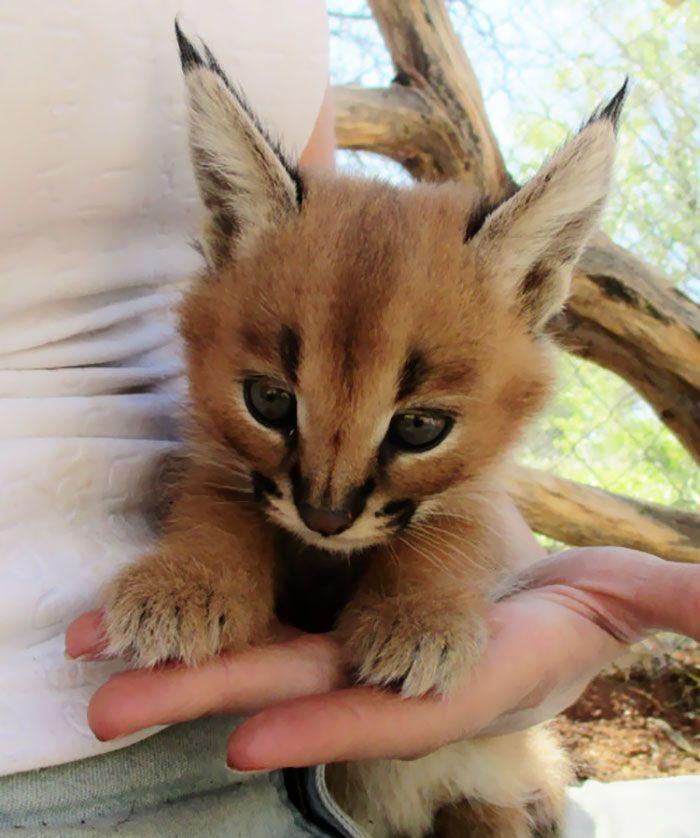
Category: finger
<point>239,683</point>
<point>539,646</point>
<point>629,591</point>
<point>356,723</point>
<point>85,637</point>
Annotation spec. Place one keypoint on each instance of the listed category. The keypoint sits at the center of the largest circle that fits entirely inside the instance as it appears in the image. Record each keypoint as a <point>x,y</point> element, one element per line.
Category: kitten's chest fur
<point>314,585</point>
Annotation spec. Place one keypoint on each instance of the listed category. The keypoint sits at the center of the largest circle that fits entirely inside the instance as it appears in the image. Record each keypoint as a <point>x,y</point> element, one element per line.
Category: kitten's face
<point>359,352</point>
<point>358,365</point>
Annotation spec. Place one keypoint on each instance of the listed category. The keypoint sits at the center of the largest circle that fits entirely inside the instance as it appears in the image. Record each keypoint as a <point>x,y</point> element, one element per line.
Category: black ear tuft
<point>215,67</point>
<point>189,57</point>
<point>613,109</point>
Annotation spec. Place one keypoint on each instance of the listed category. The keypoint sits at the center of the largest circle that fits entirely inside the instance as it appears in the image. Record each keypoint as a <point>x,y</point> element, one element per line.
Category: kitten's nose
<point>324,521</point>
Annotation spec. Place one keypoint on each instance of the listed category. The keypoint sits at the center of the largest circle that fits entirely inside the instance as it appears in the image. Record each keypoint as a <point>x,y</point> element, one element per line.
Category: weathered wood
<point>398,123</point>
<point>622,314</point>
<point>625,317</point>
<point>429,58</point>
<point>585,516</point>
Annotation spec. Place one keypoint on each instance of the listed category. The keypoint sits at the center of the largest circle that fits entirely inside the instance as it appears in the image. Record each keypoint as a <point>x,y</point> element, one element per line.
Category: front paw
<point>399,644</point>
<point>159,610</point>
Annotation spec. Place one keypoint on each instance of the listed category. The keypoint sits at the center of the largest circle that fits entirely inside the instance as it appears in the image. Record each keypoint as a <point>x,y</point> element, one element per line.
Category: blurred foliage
<point>587,49</point>
<point>599,431</point>
<point>543,66</point>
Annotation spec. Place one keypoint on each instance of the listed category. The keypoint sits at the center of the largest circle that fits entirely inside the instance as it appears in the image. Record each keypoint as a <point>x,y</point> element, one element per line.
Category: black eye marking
<point>300,485</point>
<point>272,406</point>
<point>263,487</point>
<point>289,346</point>
<point>418,430</point>
<point>400,513</point>
<point>413,374</point>
<point>291,442</point>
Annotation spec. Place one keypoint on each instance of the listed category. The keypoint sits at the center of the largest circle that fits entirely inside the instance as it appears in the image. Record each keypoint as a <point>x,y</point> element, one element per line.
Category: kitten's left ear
<point>245,180</point>
<point>533,240</point>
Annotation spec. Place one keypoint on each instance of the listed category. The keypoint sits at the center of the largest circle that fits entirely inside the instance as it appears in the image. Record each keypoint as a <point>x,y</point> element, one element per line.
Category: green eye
<point>271,406</point>
<point>419,430</point>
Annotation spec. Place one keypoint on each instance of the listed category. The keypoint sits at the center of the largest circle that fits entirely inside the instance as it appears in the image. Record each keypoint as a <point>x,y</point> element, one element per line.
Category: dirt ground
<point>641,718</point>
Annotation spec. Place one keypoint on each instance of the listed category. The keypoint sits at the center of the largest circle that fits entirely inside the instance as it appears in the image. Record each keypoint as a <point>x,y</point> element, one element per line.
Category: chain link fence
<point>543,66</point>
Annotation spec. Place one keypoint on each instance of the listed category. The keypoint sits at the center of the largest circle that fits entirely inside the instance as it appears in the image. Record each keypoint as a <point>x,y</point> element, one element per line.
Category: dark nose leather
<point>324,521</point>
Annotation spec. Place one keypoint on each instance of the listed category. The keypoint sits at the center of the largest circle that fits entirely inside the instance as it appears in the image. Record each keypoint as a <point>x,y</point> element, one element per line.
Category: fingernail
<point>242,766</point>
<point>110,738</point>
<point>231,765</point>
<point>251,747</point>
<point>245,772</point>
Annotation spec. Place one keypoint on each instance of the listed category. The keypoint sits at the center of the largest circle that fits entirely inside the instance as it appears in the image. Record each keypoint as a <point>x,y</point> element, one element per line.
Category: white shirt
<point>97,210</point>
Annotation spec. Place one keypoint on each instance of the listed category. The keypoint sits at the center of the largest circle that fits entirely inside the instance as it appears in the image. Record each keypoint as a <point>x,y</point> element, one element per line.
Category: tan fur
<point>190,600</point>
<point>368,279</point>
<point>513,782</point>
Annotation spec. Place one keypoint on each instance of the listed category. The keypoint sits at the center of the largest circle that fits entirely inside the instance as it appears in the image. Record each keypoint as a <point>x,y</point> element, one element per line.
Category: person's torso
<point>97,211</point>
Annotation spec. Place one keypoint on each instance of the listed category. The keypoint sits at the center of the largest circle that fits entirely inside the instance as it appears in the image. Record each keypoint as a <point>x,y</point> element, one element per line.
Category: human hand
<point>573,615</point>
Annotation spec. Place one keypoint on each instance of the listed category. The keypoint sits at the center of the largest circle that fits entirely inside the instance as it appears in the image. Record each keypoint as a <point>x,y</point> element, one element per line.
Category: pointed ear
<point>531,242</point>
<point>245,181</point>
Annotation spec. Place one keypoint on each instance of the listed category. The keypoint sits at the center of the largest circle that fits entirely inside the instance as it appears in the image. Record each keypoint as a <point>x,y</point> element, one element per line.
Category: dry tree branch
<point>585,516</point>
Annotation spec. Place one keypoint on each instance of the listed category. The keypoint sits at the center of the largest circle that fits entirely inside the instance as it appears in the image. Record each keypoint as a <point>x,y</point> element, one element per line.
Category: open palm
<point>573,614</point>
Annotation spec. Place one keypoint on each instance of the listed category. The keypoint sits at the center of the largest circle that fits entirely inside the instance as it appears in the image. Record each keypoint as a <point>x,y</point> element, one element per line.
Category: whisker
<point>429,557</point>
<point>226,487</point>
<point>394,555</point>
<point>447,557</point>
<point>438,535</point>
<point>469,519</point>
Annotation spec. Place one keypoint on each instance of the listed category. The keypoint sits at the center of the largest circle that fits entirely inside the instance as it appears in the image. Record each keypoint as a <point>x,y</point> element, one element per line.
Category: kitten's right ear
<point>244,179</point>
